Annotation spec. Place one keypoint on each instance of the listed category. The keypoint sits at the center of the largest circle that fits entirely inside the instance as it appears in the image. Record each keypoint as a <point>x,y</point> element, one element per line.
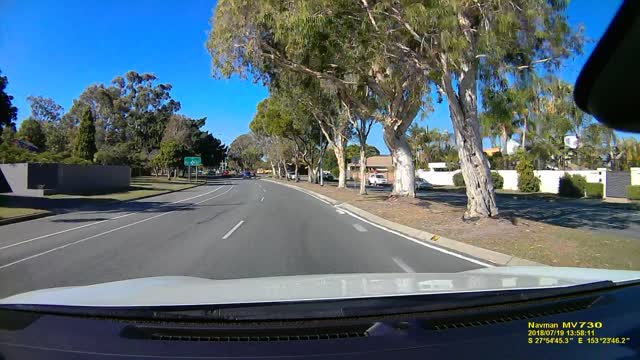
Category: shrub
<point>572,186</point>
<point>527,181</point>
<point>594,190</point>
<point>458,179</point>
<point>633,192</point>
<point>498,180</point>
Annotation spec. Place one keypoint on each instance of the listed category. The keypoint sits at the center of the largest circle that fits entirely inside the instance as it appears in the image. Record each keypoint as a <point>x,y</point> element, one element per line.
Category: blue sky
<point>56,49</point>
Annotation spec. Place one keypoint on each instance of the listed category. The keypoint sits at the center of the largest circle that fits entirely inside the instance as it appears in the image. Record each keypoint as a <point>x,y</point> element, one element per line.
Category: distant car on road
<point>246,175</point>
<point>377,179</point>
<point>421,184</point>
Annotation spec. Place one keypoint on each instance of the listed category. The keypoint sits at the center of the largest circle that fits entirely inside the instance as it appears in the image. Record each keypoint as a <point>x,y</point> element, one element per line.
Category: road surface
<point>229,228</point>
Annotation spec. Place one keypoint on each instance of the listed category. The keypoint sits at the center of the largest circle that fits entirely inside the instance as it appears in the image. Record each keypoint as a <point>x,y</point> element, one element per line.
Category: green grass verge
<point>10,212</point>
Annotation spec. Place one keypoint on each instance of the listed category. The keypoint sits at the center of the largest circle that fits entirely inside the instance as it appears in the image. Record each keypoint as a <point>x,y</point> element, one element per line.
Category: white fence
<point>549,179</point>
<point>635,176</point>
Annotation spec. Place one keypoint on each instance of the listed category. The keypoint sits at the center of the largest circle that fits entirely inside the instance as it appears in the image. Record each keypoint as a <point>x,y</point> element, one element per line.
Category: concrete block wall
<point>86,178</point>
<point>39,179</point>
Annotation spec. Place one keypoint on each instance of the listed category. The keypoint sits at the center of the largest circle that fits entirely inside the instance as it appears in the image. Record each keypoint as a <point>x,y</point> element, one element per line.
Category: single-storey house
<point>381,164</point>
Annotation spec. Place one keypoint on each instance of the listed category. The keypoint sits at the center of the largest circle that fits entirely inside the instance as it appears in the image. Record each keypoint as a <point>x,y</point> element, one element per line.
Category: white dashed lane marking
<point>359,227</point>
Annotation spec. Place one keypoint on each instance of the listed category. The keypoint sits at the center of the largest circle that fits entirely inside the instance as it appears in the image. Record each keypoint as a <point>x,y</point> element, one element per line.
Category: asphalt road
<point>229,228</point>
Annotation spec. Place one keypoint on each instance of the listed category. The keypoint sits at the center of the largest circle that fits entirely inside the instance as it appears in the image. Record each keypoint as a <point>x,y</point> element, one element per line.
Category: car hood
<point>182,290</point>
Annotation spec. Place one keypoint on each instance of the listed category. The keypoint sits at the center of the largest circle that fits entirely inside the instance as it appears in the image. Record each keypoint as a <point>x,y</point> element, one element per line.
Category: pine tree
<point>85,146</point>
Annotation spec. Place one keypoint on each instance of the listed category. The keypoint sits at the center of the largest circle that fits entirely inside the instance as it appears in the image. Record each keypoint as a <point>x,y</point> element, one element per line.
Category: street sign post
<point>192,161</point>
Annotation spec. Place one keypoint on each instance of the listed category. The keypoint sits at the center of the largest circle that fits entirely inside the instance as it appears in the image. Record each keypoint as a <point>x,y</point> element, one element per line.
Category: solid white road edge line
<point>403,265</point>
<point>261,200</point>
<point>102,221</point>
<point>232,230</point>
<point>104,233</point>
<point>478,262</point>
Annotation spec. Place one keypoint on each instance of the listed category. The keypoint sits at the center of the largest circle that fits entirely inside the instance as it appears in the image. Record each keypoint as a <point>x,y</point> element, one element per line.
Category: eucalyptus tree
<point>8,112</point>
<point>321,100</point>
<point>333,41</point>
<point>463,45</point>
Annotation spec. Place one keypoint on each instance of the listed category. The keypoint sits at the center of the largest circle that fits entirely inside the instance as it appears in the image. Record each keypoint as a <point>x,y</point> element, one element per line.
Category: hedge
<point>527,180</point>
<point>633,192</point>
<point>498,180</point>
<point>572,185</point>
<point>594,190</point>
<point>458,180</point>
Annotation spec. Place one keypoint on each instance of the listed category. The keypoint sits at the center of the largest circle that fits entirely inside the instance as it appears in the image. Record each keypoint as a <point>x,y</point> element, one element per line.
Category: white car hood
<point>182,290</point>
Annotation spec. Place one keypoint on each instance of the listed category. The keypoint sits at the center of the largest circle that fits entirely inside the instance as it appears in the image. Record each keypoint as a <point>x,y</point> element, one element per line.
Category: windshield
<point>352,147</point>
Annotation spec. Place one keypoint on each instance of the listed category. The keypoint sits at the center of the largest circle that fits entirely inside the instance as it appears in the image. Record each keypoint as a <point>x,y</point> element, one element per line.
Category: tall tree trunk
<point>285,173</point>
<point>503,140</point>
<point>475,167</point>
<point>296,171</point>
<point>311,178</point>
<point>341,156</point>
<point>404,184</point>
<point>524,134</point>
<point>273,170</point>
<point>363,168</point>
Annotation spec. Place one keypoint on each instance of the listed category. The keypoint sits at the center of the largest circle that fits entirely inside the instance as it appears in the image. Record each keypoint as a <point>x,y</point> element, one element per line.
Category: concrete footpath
<point>424,237</point>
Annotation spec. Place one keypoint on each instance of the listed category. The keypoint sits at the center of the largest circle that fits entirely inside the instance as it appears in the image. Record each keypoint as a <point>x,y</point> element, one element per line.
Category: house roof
<point>491,151</point>
<point>381,161</point>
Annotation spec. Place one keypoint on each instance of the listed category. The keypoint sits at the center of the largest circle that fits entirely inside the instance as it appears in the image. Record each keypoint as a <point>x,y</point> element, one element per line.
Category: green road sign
<point>192,161</point>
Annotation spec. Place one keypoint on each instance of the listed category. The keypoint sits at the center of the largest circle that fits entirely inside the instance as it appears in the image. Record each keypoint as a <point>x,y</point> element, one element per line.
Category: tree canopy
<point>8,112</point>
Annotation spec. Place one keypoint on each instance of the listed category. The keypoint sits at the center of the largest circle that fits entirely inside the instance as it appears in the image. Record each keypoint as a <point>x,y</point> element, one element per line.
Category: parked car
<point>327,176</point>
<point>377,179</point>
<point>246,175</point>
<point>291,175</point>
<point>421,184</point>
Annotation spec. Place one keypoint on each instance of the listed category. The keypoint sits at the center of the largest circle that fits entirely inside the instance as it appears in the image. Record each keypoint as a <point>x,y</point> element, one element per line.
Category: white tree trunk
<point>404,183</point>
<point>296,172</point>
<point>311,178</point>
<point>503,140</point>
<point>341,157</point>
<point>363,168</point>
<point>481,201</point>
<point>273,170</point>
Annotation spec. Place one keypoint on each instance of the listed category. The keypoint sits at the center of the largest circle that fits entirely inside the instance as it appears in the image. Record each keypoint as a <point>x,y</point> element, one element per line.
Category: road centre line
<point>106,232</point>
<point>226,236</point>
<point>478,262</point>
<point>261,200</point>
<point>102,221</point>
<point>403,265</point>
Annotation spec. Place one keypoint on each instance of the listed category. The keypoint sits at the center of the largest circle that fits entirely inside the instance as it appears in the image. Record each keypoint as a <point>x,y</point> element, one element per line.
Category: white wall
<point>549,179</point>
<point>635,176</point>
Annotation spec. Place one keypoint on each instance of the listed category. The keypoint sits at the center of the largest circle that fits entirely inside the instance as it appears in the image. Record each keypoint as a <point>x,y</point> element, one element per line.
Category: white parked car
<point>377,179</point>
<point>291,175</point>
